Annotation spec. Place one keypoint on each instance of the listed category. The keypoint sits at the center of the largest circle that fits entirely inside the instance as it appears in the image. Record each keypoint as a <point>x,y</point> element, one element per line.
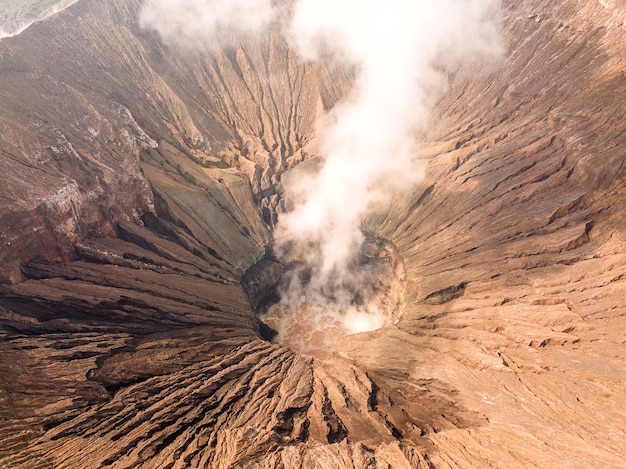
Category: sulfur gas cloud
<point>401,50</point>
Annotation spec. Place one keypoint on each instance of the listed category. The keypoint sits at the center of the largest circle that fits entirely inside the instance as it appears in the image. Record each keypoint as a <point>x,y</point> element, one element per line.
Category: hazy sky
<point>17,15</point>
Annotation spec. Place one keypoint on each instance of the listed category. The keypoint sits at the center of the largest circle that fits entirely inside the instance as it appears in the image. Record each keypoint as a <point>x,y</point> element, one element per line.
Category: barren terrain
<point>140,183</point>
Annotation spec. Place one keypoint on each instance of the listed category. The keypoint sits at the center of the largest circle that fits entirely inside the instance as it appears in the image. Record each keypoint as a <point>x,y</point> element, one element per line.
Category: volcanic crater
<point>367,298</point>
<point>141,187</point>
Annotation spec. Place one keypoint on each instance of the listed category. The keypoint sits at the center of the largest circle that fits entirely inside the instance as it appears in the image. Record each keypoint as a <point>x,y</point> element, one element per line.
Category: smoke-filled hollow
<point>367,141</point>
<point>307,317</point>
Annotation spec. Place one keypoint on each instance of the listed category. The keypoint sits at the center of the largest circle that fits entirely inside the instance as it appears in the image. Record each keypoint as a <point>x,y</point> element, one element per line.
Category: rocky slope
<point>141,182</point>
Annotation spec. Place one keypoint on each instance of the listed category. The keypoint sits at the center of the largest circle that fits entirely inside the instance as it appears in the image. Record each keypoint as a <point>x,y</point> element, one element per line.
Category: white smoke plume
<point>401,50</point>
<point>185,22</point>
<point>369,141</point>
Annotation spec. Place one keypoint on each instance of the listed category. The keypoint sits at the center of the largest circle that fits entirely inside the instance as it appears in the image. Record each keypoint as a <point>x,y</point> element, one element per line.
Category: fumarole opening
<point>305,311</point>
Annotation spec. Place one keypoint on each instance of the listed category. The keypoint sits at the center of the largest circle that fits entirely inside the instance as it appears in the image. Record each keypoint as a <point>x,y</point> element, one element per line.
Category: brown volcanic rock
<point>79,105</point>
<point>141,183</point>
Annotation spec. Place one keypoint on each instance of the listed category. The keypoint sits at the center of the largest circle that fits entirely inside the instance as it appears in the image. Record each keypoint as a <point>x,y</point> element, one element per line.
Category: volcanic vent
<point>307,317</point>
<point>142,181</point>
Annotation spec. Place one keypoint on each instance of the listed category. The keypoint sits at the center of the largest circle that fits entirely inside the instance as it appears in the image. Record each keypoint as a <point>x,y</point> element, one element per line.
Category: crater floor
<point>306,317</point>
